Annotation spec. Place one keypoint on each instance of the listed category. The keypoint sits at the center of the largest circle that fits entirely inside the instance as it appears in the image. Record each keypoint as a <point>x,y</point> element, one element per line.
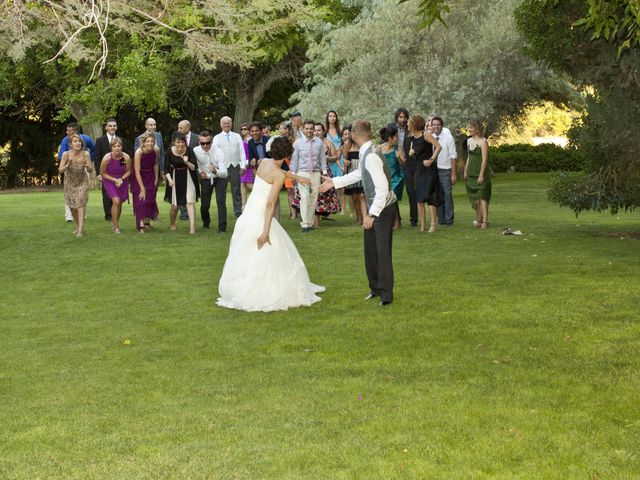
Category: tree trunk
<point>13,166</point>
<point>245,108</point>
<point>250,89</point>
<point>251,85</point>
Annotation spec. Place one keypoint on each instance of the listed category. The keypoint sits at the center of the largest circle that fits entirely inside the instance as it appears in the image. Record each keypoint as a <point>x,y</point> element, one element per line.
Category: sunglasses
<point>244,128</point>
<point>205,143</point>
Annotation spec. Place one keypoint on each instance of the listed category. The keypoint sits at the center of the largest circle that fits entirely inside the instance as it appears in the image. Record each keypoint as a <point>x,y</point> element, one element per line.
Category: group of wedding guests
<point>420,156</point>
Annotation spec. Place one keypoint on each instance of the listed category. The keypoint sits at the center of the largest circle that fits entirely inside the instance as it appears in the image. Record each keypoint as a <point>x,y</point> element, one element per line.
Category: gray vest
<point>367,181</point>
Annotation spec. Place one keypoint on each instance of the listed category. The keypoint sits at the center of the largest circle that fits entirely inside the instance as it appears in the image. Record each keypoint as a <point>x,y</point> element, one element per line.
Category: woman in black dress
<point>424,150</point>
<point>351,155</point>
<point>183,186</point>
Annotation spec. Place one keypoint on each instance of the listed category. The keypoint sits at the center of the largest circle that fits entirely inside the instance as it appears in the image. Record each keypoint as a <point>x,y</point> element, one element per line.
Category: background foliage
<point>475,66</point>
<point>546,157</point>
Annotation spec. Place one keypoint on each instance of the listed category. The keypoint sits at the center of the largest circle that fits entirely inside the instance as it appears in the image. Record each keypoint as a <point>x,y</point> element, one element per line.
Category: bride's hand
<point>262,240</point>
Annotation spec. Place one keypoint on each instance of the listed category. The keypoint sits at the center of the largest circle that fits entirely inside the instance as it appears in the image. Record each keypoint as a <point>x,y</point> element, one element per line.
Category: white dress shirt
<point>232,147</point>
<point>448,152</point>
<point>214,157</point>
<point>375,168</point>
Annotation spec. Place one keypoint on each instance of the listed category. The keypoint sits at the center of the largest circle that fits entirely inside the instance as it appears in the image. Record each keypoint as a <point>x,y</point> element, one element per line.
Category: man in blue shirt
<point>89,146</point>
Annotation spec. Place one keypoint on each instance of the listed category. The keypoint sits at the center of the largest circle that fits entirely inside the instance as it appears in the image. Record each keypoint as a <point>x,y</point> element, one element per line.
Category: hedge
<point>546,157</point>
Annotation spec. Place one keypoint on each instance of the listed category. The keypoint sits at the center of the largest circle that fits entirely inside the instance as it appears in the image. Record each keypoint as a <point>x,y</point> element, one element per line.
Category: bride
<point>264,271</point>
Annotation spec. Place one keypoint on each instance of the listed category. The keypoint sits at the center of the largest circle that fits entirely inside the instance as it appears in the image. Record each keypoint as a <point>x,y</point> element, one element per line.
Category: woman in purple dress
<point>247,178</point>
<point>115,170</point>
<point>145,185</point>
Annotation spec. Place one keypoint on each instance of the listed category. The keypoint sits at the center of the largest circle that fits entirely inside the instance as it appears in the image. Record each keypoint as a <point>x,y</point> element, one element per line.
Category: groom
<point>378,224</point>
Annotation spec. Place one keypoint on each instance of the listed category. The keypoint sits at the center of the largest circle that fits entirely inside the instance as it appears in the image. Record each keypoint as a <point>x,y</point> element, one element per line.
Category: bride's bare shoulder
<point>269,172</point>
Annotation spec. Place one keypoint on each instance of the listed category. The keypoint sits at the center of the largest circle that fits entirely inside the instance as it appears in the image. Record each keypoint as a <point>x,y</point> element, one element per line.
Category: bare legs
<point>244,194</point>
<point>359,207</point>
<point>191,212</point>
<point>422,215</point>
<point>173,213</point>
<point>343,207</point>
<point>116,211</point>
<point>433,216</point>
<point>78,218</point>
<point>294,213</point>
<point>396,222</point>
<point>482,214</point>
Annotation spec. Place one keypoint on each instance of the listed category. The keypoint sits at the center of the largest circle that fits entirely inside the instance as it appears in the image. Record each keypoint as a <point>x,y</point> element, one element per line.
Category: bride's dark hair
<point>281,148</point>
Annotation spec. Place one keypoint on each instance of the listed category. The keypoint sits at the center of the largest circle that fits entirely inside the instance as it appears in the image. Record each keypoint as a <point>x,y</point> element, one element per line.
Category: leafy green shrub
<point>546,157</point>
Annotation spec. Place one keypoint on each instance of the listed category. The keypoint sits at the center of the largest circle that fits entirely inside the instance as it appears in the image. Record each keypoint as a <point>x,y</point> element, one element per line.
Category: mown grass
<point>501,357</point>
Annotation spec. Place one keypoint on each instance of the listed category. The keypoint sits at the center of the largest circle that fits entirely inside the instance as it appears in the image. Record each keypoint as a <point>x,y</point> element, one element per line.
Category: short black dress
<point>186,183</point>
<point>354,159</point>
<point>428,188</point>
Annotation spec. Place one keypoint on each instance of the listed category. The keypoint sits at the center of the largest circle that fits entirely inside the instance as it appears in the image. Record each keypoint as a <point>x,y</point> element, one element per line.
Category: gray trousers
<point>377,254</point>
<point>206,192</point>
<point>234,180</point>
<point>445,210</point>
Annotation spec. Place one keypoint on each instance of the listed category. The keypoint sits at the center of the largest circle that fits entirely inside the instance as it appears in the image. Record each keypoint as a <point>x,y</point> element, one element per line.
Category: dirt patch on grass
<point>635,235</point>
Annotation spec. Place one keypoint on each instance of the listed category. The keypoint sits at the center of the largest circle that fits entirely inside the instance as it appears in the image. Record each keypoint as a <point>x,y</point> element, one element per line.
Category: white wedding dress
<point>272,278</point>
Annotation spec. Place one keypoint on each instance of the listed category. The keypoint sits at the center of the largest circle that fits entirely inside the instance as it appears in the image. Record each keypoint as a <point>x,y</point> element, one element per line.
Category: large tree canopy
<point>607,133</point>
<point>110,53</point>
<point>474,66</point>
<point>615,20</point>
<point>172,59</point>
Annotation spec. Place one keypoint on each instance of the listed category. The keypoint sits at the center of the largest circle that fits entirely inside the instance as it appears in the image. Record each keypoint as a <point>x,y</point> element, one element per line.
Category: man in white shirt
<point>213,176</point>
<point>447,174</point>
<point>233,149</point>
<point>378,224</point>
<point>308,160</point>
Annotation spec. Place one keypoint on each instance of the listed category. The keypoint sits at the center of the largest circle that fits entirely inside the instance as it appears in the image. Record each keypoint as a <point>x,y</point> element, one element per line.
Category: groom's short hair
<point>362,126</point>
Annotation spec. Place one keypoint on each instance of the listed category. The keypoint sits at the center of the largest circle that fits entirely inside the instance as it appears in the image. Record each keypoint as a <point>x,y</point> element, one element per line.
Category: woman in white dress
<point>264,271</point>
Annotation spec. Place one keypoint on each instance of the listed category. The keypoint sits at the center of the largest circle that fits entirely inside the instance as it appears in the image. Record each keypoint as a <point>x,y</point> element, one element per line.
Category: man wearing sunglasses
<point>212,171</point>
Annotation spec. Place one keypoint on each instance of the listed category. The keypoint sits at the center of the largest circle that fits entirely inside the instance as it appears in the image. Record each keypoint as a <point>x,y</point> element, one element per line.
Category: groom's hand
<point>367,223</point>
<point>327,184</point>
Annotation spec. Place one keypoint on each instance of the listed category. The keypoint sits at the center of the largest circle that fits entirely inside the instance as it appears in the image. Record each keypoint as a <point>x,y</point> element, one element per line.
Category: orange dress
<point>288,183</point>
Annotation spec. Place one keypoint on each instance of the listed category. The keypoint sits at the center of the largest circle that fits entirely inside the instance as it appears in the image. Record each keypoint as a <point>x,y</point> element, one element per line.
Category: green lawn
<point>501,357</point>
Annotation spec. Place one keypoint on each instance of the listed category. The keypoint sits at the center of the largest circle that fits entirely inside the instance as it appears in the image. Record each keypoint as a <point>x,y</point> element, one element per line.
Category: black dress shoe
<point>385,303</point>
<point>370,296</point>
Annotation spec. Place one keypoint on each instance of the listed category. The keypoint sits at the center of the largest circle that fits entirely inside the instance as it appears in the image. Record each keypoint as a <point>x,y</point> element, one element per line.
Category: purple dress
<point>247,177</point>
<point>147,208</point>
<point>117,168</point>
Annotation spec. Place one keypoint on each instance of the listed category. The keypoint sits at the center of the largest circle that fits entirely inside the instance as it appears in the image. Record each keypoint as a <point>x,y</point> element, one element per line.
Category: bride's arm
<point>274,193</point>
